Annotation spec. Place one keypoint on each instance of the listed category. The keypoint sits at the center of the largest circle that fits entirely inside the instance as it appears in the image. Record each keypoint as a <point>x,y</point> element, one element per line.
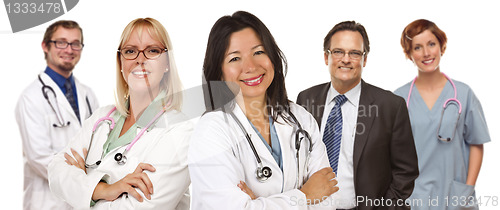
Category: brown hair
<point>348,26</point>
<point>68,24</point>
<point>415,28</point>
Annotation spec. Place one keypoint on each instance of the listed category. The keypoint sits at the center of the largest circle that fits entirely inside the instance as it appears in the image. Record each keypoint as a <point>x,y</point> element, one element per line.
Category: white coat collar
<point>62,103</point>
<point>83,106</point>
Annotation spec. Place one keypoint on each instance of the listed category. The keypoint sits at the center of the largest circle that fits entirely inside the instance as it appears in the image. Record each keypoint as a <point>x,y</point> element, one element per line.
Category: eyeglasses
<point>64,44</point>
<point>131,53</point>
<point>353,54</point>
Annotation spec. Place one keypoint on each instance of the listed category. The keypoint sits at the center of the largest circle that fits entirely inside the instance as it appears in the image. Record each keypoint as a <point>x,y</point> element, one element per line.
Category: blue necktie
<point>333,132</point>
<point>71,98</point>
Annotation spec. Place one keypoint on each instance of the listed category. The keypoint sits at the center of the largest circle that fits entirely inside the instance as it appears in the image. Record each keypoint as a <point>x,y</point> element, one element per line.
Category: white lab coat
<point>220,156</point>
<point>165,147</point>
<point>41,141</point>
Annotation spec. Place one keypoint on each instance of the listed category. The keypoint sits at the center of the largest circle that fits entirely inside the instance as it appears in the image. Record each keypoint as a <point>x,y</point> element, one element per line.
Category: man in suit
<point>366,130</point>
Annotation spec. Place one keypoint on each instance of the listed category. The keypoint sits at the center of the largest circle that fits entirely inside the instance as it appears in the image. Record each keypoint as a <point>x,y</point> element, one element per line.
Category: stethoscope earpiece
<point>63,125</point>
<point>444,139</point>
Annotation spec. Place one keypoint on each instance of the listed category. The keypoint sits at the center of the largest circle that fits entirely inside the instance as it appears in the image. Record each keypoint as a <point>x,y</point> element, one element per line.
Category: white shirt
<point>345,198</point>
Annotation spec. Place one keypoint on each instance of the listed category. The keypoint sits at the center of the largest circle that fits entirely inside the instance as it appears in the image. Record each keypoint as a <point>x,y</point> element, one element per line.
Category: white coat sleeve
<point>215,171</point>
<point>319,158</point>
<point>34,128</point>
<point>71,183</point>
<point>171,178</point>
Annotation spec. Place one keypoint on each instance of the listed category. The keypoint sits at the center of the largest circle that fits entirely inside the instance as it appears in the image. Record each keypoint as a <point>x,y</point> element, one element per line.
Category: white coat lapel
<point>263,152</point>
<point>285,135</point>
<point>63,104</point>
<point>81,93</point>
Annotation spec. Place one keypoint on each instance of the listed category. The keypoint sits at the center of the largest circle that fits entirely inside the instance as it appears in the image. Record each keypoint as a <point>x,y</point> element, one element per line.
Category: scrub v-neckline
<point>438,103</point>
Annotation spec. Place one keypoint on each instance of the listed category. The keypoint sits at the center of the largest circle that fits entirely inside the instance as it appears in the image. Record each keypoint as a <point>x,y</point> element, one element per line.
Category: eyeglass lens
<point>149,53</point>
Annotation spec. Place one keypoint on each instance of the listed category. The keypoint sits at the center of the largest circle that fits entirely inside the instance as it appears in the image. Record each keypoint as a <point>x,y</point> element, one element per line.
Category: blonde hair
<point>170,83</point>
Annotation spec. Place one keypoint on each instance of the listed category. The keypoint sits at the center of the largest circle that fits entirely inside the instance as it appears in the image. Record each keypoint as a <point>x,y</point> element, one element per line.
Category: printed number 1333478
<point>33,8</point>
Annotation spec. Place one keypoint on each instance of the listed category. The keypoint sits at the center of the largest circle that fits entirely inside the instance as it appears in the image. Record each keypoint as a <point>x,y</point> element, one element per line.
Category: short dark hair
<point>68,24</point>
<point>415,28</point>
<point>218,42</point>
<point>348,26</point>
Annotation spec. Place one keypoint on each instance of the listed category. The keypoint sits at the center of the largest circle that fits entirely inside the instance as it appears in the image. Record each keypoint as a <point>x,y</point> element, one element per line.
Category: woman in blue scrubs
<point>448,124</point>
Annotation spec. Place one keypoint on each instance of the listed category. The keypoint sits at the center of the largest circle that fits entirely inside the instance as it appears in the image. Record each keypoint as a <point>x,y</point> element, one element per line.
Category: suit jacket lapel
<point>320,103</point>
<point>364,123</point>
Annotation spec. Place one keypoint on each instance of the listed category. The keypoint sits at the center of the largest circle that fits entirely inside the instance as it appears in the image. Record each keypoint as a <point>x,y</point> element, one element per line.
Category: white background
<point>299,28</point>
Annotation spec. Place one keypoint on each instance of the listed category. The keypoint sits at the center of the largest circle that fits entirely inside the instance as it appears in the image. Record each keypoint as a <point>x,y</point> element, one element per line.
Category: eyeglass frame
<point>143,53</point>
<point>346,52</point>
<point>67,43</point>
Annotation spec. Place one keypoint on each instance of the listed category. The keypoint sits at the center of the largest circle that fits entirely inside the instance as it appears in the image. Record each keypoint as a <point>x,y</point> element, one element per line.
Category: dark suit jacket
<point>384,157</point>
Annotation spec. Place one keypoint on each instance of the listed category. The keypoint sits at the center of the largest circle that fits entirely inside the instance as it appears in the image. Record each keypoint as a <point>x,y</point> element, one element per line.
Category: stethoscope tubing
<point>446,102</point>
<point>298,141</point>
<point>59,117</point>
<point>58,113</point>
<point>247,136</point>
<point>454,99</point>
<point>144,129</point>
<point>119,157</point>
<point>108,118</point>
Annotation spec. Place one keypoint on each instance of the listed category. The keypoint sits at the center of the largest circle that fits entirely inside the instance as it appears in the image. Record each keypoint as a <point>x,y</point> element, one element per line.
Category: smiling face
<point>247,65</point>
<point>426,52</point>
<point>345,72</point>
<point>63,61</point>
<point>142,74</point>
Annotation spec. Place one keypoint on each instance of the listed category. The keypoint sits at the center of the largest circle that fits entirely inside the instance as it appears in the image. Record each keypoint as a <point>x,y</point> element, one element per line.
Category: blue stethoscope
<point>61,122</point>
<point>263,173</point>
<point>446,103</point>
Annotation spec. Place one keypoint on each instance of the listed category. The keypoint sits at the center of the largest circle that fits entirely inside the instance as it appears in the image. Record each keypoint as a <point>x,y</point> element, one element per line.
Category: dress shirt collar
<point>352,95</point>
<point>59,79</point>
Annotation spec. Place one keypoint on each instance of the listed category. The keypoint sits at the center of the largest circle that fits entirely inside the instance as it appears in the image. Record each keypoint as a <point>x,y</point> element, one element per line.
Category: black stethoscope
<point>61,122</point>
<point>263,173</point>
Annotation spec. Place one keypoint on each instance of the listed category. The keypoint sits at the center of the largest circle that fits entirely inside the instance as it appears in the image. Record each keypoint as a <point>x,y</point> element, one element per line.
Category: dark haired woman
<point>259,150</point>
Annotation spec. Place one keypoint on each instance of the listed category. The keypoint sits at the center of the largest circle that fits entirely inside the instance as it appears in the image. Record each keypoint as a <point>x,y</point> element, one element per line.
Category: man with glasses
<point>51,110</point>
<point>366,130</point>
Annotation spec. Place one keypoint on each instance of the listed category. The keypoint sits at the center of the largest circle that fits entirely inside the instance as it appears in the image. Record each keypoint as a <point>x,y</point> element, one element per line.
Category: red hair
<point>415,28</point>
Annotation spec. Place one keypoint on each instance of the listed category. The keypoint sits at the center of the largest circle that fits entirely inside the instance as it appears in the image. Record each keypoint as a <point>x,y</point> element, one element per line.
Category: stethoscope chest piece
<point>263,173</point>
<point>120,158</point>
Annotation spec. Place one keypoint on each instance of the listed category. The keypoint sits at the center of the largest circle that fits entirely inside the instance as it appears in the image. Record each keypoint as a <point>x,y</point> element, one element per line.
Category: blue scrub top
<point>275,148</point>
<point>443,165</point>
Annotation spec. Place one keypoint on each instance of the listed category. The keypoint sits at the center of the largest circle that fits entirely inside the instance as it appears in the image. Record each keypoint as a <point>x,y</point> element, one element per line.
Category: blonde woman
<point>132,155</point>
